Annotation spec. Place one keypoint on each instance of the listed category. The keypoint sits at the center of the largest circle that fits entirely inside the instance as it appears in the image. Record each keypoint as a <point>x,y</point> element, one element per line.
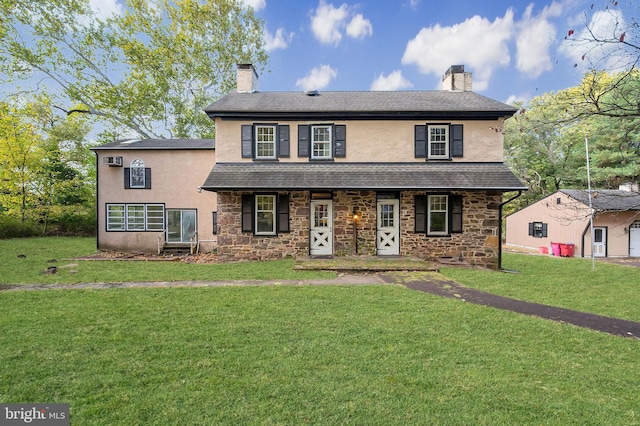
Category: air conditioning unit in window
<point>112,161</point>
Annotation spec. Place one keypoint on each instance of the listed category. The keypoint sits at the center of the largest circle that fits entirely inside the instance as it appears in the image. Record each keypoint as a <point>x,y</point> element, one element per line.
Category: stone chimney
<point>247,78</point>
<point>455,79</point>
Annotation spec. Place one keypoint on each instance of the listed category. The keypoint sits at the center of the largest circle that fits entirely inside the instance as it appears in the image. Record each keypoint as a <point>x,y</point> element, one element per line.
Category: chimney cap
<point>453,69</point>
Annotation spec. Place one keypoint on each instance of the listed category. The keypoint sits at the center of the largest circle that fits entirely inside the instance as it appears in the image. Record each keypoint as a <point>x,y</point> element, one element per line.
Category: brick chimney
<point>455,79</point>
<point>247,78</point>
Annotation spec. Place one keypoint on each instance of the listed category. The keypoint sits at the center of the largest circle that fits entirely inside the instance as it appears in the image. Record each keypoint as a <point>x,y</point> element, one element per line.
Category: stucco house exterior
<point>149,197</point>
<point>416,173</point>
<point>564,217</point>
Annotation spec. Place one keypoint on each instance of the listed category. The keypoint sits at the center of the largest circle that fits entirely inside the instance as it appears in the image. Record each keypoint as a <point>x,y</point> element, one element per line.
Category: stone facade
<point>477,244</point>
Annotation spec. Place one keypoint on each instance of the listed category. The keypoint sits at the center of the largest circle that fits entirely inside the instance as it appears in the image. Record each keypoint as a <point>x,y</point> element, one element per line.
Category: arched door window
<point>136,177</point>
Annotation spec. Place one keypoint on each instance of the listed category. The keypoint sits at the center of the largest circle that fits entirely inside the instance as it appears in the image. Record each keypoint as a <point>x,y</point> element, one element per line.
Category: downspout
<point>500,227</point>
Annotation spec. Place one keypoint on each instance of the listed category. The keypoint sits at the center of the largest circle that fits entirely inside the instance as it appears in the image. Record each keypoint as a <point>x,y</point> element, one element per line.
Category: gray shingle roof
<point>155,144</point>
<point>362,176</point>
<point>399,104</point>
<point>606,199</point>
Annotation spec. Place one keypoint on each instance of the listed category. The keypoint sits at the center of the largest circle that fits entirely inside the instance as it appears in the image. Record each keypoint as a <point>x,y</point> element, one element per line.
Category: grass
<point>610,290</point>
<point>306,355</point>
<point>313,354</point>
<point>40,252</point>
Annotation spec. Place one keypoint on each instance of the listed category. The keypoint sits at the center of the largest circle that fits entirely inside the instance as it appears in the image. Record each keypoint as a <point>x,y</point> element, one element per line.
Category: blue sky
<point>515,49</point>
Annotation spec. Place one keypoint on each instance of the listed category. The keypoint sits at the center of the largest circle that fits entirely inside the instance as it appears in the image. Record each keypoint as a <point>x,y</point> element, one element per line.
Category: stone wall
<point>477,244</point>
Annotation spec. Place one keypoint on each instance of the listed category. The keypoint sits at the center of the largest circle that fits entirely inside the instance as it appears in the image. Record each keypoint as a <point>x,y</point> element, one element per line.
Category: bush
<point>11,227</point>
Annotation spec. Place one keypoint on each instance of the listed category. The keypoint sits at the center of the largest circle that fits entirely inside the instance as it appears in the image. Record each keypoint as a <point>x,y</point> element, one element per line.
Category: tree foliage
<point>149,71</point>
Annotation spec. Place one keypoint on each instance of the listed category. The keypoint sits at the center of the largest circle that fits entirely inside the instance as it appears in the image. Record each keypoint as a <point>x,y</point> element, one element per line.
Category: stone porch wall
<point>478,244</point>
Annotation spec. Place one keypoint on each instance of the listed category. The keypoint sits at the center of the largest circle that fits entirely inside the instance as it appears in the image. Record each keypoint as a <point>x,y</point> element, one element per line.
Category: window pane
<point>115,218</point>
<point>321,142</point>
<point>135,217</point>
<point>265,214</point>
<point>386,216</point>
<point>438,214</point>
<point>439,141</point>
<point>155,217</point>
<point>136,176</point>
<point>265,142</point>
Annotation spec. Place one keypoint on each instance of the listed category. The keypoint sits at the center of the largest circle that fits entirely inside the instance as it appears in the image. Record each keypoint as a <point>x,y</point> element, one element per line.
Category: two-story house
<point>415,173</point>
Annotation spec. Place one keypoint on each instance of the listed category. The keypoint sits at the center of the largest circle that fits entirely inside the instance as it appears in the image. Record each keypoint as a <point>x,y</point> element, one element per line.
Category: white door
<point>600,242</point>
<point>634,239</point>
<point>388,228</point>
<point>321,229</point>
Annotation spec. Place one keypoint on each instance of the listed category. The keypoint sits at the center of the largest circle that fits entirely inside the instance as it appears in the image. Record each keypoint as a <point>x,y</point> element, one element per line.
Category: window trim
<point>273,211</point>
<point>329,156</point>
<point>128,226</point>
<point>273,142</point>
<point>136,167</point>
<point>447,130</point>
<point>538,229</point>
<point>445,231</point>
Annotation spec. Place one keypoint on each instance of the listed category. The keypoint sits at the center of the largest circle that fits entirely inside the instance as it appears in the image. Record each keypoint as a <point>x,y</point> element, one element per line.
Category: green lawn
<point>17,269</point>
<point>610,290</point>
<point>374,355</point>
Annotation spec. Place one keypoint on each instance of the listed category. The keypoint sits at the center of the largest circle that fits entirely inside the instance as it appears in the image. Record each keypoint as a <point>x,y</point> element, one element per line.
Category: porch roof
<point>362,176</point>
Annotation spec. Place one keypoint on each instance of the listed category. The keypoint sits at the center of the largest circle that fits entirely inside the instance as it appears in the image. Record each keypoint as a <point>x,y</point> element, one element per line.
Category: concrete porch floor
<point>373,264</point>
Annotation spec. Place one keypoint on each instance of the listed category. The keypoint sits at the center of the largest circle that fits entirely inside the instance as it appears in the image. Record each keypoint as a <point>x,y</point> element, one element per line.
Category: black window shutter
<point>247,141</point>
<point>303,140</point>
<point>247,213</point>
<point>530,228</point>
<point>340,141</point>
<point>420,141</point>
<point>455,212</point>
<point>544,230</point>
<point>147,178</point>
<point>127,178</point>
<point>215,222</point>
<point>283,213</point>
<point>420,203</point>
<point>283,141</point>
<point>457,144</point>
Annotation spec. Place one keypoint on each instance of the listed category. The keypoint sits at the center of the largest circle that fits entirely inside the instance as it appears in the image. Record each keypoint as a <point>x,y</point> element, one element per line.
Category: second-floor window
<point>321,142</point>
<point>265,142</point>
<point>136,176</point>
<point>438,142</point>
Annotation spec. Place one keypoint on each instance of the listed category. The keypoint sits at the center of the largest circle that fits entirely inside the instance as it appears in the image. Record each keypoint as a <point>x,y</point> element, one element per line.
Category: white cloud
<point>476,42</point>
<point>535,36</point>
<point>359,27</point>
<point>394,81</point>
<point>328,23</point>
<point>318,78</point>
<point>106,8</point>
<point>279,40</point>
<point>256,4</point>
<point>523,99</point>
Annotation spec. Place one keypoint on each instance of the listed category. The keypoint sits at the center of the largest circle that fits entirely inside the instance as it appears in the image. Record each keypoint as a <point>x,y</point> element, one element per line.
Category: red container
<point>543,250</point>
<point>555,249</point>
<point>566,250</point>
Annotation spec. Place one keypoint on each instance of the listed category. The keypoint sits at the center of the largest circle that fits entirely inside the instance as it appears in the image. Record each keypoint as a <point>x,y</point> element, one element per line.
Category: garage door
<point>634,239</point>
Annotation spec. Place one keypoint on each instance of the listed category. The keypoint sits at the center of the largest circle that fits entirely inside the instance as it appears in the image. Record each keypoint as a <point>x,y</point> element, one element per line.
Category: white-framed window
<point>437,215</point>
<point>154,217</point>
<point>438,141</point>
<point>137,176</point>
<point>265,215</point>
<point>321,142</point>
<point>135,217</point>
<point>265,142</point>
<point>116,220</point>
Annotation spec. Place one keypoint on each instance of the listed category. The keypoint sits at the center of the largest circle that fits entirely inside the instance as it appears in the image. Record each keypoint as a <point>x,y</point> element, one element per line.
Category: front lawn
<point>25,260</point>
<point>374,355</point>
<point>610,290</point>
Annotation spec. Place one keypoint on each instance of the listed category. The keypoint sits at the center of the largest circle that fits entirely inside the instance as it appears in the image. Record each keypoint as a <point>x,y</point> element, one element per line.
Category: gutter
<point>500,227</point>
